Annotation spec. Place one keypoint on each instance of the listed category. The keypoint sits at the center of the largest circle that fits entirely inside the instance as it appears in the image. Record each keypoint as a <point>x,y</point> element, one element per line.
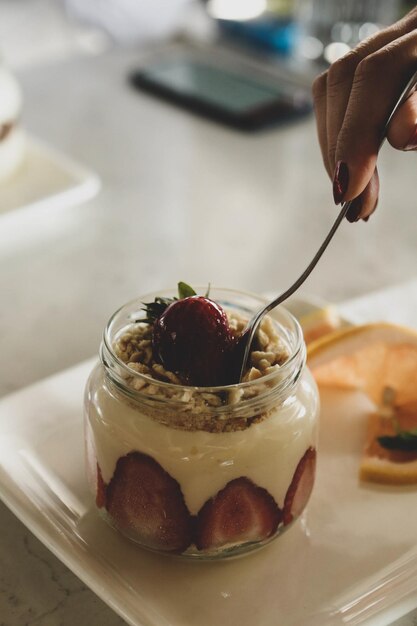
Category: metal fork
<point>256,319</point>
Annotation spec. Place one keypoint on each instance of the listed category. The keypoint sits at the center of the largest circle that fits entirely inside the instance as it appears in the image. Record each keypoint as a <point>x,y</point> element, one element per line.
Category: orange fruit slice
<point>375,358</point>
<point>320,322</point>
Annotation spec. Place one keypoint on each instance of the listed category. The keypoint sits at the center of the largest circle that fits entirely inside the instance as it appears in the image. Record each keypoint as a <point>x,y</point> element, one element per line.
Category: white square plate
<point>46,178</point>
<point>350,559</point>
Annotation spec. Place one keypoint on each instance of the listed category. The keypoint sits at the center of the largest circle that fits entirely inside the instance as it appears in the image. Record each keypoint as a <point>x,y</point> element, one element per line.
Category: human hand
<point>353,100</point>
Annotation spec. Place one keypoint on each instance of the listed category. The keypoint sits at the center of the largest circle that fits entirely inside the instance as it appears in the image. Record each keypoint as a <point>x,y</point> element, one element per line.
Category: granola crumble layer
<point>194,407</point>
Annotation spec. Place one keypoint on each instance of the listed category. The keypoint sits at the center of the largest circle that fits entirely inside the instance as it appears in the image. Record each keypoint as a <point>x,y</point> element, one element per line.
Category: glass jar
<point>196,471</point>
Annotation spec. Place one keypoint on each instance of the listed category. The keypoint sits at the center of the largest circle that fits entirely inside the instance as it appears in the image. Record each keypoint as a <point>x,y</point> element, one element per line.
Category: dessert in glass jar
<point>181,457</point>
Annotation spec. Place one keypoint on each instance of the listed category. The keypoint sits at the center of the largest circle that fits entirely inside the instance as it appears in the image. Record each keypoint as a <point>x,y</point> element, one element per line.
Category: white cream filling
<point>203,463</point>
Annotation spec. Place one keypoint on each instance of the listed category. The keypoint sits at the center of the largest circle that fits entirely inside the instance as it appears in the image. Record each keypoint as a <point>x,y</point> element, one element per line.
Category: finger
<point>320,99</point>
<point>402,132</point>
<point>370,196</point>
<point>364,205</point>
<point>379,80</point>
<point>341,75</point>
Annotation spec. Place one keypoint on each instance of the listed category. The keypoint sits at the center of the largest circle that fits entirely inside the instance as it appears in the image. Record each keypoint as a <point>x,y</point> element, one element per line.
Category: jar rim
<point>286,367</point>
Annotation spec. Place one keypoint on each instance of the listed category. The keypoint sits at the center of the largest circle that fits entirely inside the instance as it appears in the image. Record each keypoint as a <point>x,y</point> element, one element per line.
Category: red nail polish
<point>354,210</point>
<point>340,181</point>
<point>412,142</point>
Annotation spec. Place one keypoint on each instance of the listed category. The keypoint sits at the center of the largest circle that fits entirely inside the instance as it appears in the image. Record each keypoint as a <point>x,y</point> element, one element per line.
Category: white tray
<point>350,560</point>
<point>46,178</point>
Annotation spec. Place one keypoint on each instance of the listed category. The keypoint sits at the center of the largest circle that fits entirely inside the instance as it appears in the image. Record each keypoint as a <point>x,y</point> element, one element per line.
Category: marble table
<point>183,199</point>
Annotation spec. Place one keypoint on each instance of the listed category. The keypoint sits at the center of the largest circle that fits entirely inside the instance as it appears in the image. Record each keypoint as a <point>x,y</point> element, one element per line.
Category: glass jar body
<point>203,488</point>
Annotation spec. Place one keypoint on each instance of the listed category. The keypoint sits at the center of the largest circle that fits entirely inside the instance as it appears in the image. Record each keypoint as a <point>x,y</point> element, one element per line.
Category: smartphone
<point>238,99</point>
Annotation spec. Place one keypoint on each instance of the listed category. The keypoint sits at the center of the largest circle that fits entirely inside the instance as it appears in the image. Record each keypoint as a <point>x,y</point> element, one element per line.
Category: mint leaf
<point>155,309</point>
<point>185,291</point>
<point>404,440</point>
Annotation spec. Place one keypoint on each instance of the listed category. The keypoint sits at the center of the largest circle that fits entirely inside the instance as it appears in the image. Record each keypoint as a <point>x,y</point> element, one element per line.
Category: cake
<point>12,137</point>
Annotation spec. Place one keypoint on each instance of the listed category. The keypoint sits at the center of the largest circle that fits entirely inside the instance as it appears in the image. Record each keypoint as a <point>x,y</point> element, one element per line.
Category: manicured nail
<point>354,210</point>
<point>412,142</point>
<point>340,181</point>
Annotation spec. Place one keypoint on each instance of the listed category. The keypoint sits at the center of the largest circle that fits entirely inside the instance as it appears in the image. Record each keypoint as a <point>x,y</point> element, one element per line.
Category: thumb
<point>402,132</point>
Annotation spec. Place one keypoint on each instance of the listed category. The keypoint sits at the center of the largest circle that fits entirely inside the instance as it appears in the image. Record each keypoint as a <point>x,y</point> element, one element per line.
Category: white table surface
<point>182,199</point>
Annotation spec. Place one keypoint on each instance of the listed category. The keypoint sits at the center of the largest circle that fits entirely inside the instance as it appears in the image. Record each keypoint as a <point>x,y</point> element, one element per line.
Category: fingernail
<point>412,142</point>
<point>354,210</point>
<point>340,181</point>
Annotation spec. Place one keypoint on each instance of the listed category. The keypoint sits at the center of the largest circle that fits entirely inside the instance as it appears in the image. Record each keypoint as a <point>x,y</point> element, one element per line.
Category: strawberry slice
<point>241,512</point>
<point>101,489</point>
<point>301,486</point>
<point>147,503</point>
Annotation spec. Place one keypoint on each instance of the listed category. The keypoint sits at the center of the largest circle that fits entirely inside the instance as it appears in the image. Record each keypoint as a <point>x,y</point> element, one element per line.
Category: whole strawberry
<point>192,338</point>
